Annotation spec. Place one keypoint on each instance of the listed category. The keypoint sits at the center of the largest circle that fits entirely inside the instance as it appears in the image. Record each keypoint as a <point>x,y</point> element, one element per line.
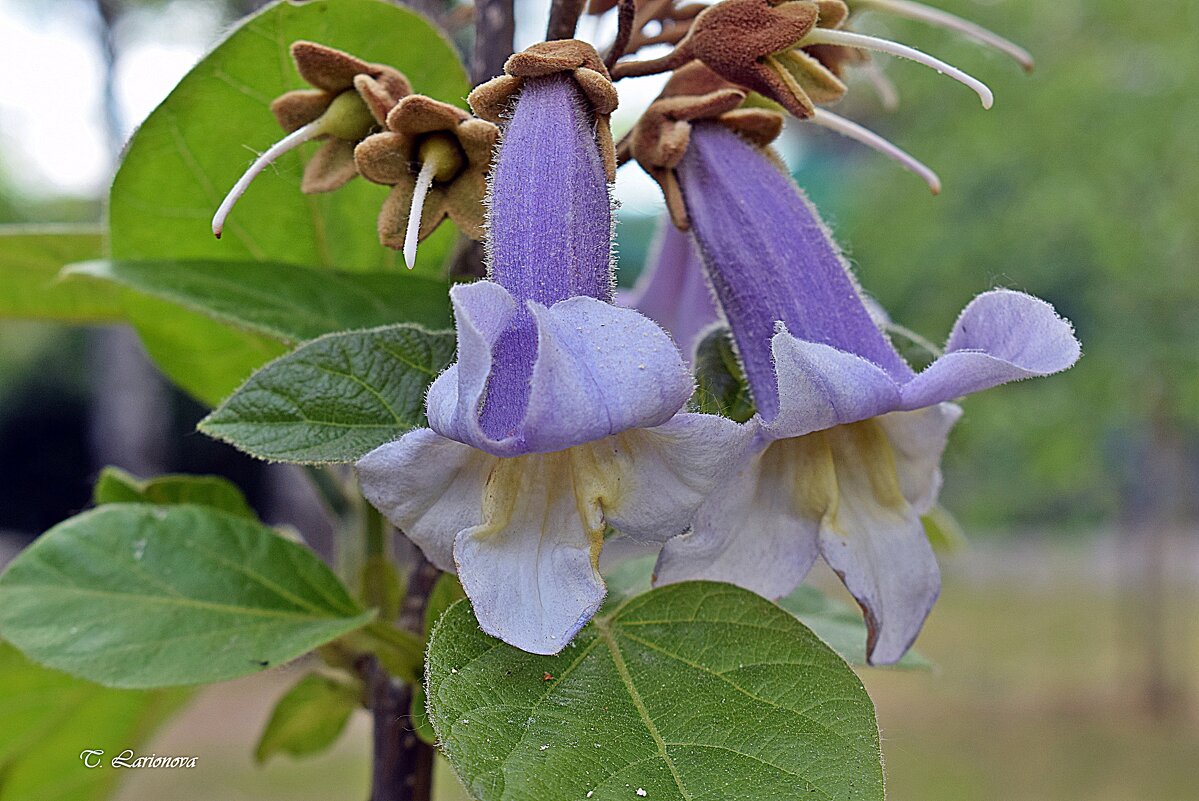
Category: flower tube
<point>560,417</point>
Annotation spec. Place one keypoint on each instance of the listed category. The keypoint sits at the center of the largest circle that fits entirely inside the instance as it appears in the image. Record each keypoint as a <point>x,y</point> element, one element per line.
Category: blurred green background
<point>1067,638</point>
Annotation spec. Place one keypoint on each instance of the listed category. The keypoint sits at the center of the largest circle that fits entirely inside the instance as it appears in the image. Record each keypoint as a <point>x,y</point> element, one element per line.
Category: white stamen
<point>411,238</point>
<point>849,128</point>
<point>863,42</point>
<point>952,22</point>
<point>289,142</point>
<point>884,87</point>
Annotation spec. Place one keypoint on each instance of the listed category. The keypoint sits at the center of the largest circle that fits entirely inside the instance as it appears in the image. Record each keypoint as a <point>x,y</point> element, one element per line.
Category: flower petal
<point>759,529</point>
<point>820,387</point>
<point>481,312</point>
<point>667,471</point>
<point>429,486</point>
<point>597,370</point>
<point>331,167</point>
<point>918,439</point>
<point>874,541</point>
<point>1001,336</point>
<point>530,568</point>
<point>600,370</point>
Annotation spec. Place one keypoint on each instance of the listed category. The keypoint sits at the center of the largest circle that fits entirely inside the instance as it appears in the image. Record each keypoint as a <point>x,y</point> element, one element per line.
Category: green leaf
<point>695,690</point>
<point>840,626</point>
<point>308,718</point>
<point>30,260</point>
<point>418,713</point>
<point>193,147</point>
<point>50,717</point>
<point>205,358</point>
<point>116,486</point>
<point>446,592</point>
<point>720,385</point>
<point>132,595</point>
<point>336,398</point>
<point>282,301</point>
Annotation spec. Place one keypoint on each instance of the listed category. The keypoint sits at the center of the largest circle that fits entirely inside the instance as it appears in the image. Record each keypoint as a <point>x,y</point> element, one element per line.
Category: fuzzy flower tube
<point>560,417</point>
<point>849,437</point>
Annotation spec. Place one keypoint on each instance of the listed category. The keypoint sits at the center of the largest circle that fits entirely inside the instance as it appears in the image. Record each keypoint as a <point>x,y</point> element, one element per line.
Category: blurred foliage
<point>1079,186</point>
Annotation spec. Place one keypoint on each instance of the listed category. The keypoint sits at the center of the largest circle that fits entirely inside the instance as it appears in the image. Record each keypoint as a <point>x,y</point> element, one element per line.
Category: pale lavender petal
<point>918,439</point>
<point>770,258</point>
<point>820,387</point>
<point>672,290</point>
<point>430,487</point>
<point>482,311</point>
<point>874,540</point>
<point>667,471</point>
<point>598,370</point>
<point>1001,336</point>
<point>754,530</point>
<point>530,568</point>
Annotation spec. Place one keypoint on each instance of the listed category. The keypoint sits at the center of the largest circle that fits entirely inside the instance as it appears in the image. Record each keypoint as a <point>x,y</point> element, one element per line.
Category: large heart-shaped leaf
<point>335,398</point>
<point>193,147</point>
<point>692,691</point>
<point>134,595</point>
<point>30,259</point>
<point>282,301</point>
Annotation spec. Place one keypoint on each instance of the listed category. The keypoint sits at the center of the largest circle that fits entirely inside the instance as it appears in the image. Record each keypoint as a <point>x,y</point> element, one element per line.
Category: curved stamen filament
<point>289,142</point>
<point>850,129</point>
<point>951,22</point>
<point>412,236</point>
<point>863,42</point>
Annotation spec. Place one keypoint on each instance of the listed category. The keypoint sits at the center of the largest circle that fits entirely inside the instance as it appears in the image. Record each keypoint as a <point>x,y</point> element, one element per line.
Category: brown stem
<point>402,769</point>
<point>564,19</point>
<point>624,31</point>
<point>495,26</point>
<point>420,584</point>
<point>632,69</point>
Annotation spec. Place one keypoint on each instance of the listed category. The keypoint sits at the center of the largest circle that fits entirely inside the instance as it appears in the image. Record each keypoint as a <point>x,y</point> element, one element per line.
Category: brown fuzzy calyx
<point>756,44</point>
<point>333,73</point>
<point>660,138</point>
<point>394,158</point>
<point>494,99</point>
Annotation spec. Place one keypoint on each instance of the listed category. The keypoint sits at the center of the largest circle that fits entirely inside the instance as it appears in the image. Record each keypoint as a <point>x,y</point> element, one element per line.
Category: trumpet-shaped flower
<point>849,437</point>
<point>560,417</point>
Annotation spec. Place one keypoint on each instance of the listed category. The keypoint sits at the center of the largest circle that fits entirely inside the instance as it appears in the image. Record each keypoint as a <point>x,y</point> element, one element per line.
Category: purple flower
<point>849,438</point>
<point>559,418</point>
<point>672,290</point>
